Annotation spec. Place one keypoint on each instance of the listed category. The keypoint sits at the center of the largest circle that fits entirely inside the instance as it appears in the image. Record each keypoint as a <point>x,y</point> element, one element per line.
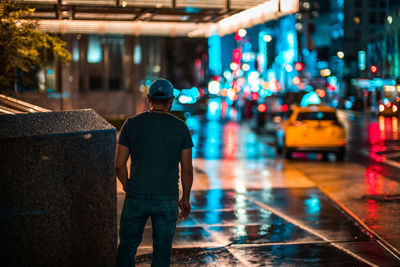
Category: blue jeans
<point>163,211</point>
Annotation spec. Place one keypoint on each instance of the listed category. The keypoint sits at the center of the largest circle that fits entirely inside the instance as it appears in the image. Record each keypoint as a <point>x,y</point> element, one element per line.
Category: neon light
<point>214,52</point>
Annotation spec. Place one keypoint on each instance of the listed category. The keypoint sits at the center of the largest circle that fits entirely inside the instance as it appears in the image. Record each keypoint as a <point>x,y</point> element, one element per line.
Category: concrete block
<point>58,190</point>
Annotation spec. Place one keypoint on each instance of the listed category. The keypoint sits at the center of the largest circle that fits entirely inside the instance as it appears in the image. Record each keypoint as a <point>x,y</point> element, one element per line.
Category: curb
<point>385,244</point>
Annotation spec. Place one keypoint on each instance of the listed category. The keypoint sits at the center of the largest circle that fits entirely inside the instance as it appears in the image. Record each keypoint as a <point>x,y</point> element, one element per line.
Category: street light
<point>340,54</point>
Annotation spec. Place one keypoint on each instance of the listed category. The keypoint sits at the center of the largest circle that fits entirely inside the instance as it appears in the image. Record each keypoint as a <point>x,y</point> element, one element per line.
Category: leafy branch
<point>23,47</point>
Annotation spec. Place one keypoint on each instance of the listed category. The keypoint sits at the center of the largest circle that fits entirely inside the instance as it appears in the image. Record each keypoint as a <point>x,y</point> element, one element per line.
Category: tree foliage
<point>23,48</point>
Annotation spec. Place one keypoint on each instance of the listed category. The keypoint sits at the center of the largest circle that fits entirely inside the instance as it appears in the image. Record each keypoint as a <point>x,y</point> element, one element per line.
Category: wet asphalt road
<point>252,208</point>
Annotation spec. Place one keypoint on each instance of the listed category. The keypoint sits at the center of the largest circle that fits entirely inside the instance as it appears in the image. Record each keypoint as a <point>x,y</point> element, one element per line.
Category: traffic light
<point>373,69</point>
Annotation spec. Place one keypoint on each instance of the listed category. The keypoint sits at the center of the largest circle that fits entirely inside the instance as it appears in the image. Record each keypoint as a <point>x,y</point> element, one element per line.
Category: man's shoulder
<point>137,117</point>
<point>177,120</point>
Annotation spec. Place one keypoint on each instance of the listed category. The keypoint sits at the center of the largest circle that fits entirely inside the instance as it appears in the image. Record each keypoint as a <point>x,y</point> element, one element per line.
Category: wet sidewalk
<point>255,210</point>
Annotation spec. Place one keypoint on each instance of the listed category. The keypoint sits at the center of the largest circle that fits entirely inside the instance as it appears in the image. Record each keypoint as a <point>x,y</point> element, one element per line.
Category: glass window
<point>372,18</point>
<point>382,17</point>
<point>317,116</point>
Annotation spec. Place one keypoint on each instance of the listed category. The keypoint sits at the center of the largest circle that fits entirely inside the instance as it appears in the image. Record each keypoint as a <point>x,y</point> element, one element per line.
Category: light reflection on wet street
<point>251,208</point>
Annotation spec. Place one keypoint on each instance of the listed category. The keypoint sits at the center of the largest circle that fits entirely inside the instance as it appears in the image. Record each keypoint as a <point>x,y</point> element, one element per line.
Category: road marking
<point>308,229</point>
<point>385,159</point>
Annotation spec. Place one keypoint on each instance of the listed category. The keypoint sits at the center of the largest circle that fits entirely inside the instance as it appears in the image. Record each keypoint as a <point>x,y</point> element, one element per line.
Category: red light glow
<point>374,69</point>
<point>262,108</point>
<point>284,108</point>
<point>254,96</point>
<point>298,66</point>
<point>237,37</point>
<point>236,55</point>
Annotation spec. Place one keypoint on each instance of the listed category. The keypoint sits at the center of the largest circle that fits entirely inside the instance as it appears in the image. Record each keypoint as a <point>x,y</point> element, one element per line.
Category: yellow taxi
<point>312,129</point>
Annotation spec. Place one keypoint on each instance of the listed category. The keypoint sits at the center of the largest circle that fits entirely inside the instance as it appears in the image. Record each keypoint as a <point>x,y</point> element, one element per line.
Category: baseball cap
<point>161,89</point>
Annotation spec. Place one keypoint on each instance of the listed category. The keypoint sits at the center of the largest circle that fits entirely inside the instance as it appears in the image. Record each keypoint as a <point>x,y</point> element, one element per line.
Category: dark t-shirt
<point>155,141</point>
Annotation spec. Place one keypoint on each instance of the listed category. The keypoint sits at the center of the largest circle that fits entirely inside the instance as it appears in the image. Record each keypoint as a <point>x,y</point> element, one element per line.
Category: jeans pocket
<point>169,209</point>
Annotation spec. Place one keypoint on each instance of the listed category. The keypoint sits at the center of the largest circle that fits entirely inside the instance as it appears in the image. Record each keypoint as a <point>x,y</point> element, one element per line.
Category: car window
<point>317,116</point>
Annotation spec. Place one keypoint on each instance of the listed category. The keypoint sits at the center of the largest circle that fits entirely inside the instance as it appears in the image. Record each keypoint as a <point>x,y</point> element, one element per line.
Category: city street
<point>251,207</point>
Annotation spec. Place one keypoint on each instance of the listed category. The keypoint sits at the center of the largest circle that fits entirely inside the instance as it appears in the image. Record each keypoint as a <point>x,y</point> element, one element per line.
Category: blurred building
<point>119,47</point>
<point>361,46</point>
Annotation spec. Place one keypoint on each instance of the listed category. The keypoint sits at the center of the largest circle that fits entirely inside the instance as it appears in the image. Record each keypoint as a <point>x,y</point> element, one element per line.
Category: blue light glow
<point>213,141</point>
<point>137,55</point>
<point>312,205</point>
<point>348,104</point>
<point>361,60</point>
<point>262,55</point>
<point>75,51</point>
<point>290,39</point>
<point>288,56</point>
<point>214,52</point>
<point>193,10</point>
<point>177,92</point>
<point>50,72</point>
<point>310,99</point>
<point>94,49</point>
<point>332,80</point>
<point>214,109</point>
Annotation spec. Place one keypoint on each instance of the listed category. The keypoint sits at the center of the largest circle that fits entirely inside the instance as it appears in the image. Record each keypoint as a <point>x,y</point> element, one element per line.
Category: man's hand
<point>184,205</point>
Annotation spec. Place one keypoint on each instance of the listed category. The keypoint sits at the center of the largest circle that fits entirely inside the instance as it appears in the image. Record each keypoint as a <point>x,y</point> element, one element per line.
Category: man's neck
<point>159,109</point>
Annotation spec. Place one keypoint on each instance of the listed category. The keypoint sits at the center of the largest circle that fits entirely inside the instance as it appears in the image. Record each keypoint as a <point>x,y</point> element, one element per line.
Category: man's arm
<point>187,181</point>
<point>120,164</point>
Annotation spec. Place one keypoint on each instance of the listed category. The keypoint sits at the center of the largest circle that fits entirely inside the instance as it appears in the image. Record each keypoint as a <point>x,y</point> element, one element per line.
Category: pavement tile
<point>277,232</point>
<point>195,257</point>
<point>295,255</point>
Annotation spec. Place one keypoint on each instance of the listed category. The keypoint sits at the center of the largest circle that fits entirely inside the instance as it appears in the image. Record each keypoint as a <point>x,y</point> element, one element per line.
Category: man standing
<point>156,142</point>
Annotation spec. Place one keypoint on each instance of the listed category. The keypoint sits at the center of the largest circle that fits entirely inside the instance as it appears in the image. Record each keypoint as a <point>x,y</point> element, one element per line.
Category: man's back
<point>155,141</point>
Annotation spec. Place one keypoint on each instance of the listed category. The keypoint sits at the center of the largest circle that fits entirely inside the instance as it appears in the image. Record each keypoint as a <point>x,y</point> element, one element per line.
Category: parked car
<point>388,108</point>
<point>312,129</point>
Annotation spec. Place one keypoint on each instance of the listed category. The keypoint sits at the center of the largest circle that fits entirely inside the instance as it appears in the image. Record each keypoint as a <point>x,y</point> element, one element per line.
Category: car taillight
<point>381,107</point>
<point>394,108</point>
